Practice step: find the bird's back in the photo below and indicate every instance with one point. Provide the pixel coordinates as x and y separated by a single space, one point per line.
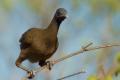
30 35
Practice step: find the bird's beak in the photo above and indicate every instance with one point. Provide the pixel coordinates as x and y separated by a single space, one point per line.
67 16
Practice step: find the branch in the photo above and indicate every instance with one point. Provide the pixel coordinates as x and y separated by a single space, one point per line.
71 75
82 50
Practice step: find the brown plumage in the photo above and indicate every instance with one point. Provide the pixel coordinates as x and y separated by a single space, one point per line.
37 45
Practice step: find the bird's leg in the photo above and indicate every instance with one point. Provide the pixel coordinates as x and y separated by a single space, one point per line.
21 58
19 61
49 64
31 74
42 63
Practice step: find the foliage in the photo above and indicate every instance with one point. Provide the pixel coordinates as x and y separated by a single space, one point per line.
92 77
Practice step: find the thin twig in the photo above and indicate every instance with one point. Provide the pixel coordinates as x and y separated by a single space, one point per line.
71 75
82 50
73 54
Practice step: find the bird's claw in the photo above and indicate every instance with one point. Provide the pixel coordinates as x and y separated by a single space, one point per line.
49 64
31 74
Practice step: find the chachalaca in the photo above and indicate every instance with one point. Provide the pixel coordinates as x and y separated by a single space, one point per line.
37 45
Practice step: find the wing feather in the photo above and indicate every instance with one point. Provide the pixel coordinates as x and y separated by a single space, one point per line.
26 39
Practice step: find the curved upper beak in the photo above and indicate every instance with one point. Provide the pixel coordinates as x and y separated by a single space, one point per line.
67 16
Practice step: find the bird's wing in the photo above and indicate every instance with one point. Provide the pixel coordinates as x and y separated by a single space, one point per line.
26 38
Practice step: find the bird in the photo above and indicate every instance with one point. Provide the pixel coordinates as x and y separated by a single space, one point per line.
38 45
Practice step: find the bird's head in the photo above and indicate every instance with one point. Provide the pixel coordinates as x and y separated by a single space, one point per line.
60 15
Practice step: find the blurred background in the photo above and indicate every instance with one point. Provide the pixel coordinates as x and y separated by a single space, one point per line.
96 21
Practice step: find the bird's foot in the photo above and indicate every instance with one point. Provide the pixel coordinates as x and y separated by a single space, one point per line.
31 74
49 64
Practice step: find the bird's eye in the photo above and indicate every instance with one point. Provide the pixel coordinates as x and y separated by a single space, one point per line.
59 13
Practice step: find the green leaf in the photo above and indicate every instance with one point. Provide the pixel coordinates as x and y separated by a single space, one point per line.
117 58
92 77
108 77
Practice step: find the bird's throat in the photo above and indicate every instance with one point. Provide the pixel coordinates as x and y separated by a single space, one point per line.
54 26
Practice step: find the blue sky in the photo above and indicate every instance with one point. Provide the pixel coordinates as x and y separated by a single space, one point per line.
71 37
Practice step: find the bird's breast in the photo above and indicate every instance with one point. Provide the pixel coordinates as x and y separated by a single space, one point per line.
46 47
37 54
51 46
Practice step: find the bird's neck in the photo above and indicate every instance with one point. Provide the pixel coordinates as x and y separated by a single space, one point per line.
54 26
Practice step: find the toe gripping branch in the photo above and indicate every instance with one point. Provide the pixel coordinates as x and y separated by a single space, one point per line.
31 74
